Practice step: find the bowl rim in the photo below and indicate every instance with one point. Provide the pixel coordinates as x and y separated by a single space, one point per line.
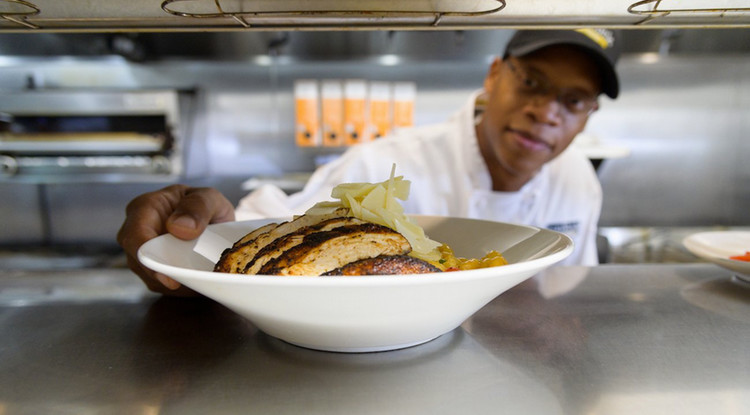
559 250
699 248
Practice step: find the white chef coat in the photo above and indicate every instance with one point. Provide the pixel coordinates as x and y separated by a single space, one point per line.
449 177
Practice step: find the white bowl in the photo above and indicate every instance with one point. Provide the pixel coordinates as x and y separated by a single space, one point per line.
718 246
367 313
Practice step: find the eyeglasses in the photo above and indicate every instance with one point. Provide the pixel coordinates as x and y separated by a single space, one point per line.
531 85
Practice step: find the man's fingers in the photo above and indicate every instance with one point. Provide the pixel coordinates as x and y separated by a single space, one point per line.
159 283
180 210
145 216
196 209
166 281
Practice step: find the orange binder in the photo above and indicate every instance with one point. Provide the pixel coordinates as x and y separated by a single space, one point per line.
307 125
355 112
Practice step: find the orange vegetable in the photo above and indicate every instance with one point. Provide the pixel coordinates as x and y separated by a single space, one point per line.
745 257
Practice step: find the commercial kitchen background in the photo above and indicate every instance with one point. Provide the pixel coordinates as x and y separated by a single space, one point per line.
682 116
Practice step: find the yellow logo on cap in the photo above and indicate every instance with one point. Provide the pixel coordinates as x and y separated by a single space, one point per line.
598 37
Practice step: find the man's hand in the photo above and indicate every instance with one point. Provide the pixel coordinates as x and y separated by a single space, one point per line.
179 210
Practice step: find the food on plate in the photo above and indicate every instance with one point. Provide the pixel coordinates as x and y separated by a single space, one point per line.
451 262
385 264
250 253
320 252
743 257
363 232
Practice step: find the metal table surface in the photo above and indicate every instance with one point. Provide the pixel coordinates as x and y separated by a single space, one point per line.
612 339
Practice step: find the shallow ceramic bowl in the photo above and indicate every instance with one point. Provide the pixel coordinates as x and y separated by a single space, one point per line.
367 313
718 246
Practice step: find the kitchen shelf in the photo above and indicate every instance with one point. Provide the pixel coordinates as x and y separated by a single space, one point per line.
336 13
266 15
663 9
19 14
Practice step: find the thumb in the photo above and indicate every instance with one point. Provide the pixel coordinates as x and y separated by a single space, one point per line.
184 226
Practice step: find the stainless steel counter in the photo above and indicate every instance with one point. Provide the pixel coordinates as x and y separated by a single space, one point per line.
614 339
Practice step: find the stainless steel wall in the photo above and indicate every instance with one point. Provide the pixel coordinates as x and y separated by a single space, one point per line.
686 122
683 116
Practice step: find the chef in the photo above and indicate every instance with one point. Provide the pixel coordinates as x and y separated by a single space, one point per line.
504 156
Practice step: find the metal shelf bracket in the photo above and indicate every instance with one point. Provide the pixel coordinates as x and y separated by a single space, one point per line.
20 17
242 16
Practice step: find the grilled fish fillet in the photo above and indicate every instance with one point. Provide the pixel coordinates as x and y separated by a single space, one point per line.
254 234
236 258
280 245
385 265
320 252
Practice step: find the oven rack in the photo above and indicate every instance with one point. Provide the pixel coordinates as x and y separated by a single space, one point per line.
242 16
657 10
20 17
30 14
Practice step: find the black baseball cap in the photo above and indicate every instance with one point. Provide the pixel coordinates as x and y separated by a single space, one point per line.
603 45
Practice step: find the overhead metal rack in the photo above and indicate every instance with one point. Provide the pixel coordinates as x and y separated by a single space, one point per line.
654 9
658 10
242 16
19 17
265 15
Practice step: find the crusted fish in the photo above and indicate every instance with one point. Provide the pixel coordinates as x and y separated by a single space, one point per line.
283 243
236 258
320 252
254 234
384 265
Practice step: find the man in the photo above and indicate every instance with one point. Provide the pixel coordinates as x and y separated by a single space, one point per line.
505 156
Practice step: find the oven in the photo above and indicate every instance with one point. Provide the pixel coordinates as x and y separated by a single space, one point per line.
91 135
